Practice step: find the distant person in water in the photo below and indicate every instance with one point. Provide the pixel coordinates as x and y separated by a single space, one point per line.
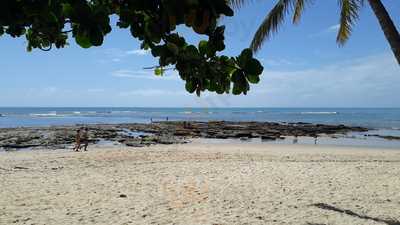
315 139
167 118
85 139
78 140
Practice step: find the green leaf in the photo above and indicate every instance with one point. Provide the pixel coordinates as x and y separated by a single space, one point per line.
170 60
173 48
192 53
236 89
83 40
227 10
96 37
203 47
157 51
192 2
190 17
253 66
159 71
52 18
29 47
67 10
252 78
240 84
190 86
244 57
176 39
237 76
172 22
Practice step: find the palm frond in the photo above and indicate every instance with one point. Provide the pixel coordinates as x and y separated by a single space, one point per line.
271 23
298 10
237 3
348 17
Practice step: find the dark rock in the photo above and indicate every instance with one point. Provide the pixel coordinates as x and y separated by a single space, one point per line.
134 144
387 137
268 138
242 134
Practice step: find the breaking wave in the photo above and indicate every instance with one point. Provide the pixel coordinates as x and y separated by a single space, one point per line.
321 113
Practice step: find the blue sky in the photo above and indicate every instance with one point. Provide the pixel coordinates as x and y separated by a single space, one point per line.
304 67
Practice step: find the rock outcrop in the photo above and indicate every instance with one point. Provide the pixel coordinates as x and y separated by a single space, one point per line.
139 135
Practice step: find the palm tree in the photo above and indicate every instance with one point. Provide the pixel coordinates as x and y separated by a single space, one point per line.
348 16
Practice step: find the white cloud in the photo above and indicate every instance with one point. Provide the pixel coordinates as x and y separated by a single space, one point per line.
131 74
152 92
281 62
367 81
49 90
372 81
117 55
137 52
148 74
327 31
333 28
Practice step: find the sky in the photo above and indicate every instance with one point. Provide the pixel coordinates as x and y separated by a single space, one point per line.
303 67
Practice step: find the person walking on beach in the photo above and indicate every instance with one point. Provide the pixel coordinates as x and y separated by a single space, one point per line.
78 140
85 138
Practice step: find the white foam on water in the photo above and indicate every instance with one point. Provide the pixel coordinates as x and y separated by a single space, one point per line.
326 113
50 114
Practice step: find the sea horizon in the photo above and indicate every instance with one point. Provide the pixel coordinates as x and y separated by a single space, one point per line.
373 118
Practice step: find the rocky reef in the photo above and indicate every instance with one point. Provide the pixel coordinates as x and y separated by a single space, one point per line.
139 135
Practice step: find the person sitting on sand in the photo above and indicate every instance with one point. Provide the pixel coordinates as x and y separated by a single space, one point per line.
78 140
85 139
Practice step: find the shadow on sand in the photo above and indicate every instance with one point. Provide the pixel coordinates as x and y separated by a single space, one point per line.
354 214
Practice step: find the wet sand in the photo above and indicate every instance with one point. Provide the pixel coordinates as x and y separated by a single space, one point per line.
198 183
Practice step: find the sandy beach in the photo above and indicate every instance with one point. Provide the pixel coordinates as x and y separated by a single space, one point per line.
198 183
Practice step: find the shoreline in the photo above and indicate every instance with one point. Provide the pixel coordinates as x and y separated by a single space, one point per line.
178 132
199 183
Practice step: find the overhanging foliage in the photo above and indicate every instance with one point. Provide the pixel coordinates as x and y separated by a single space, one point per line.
48 23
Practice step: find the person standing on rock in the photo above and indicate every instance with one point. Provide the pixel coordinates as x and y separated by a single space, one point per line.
78 140
85 138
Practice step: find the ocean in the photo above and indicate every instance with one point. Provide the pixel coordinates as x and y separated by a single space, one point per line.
374 118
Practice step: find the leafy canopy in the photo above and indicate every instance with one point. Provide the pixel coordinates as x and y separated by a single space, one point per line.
50 23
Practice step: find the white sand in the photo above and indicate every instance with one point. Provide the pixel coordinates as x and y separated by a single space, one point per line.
201 184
